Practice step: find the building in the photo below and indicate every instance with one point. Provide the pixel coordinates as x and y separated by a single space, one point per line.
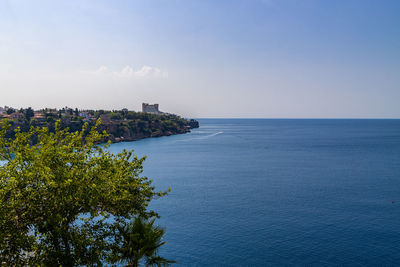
147 108
84 114
39 116
17 115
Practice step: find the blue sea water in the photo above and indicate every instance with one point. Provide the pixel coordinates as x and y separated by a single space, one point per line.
255 192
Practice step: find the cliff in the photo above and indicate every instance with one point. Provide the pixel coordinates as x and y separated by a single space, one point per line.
131 130
120 125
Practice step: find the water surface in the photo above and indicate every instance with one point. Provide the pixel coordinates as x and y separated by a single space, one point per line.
249 192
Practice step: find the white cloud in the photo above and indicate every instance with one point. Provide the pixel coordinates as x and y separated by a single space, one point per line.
144 72
101 69
127 71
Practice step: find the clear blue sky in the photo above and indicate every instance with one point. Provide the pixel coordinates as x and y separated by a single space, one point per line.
204 58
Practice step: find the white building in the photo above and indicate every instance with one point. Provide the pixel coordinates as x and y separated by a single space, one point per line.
147 108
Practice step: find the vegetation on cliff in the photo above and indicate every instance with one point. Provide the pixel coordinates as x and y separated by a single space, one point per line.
120 125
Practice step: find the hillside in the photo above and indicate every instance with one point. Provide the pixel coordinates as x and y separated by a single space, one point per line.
121 125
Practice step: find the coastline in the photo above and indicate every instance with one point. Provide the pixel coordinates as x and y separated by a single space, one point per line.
120 125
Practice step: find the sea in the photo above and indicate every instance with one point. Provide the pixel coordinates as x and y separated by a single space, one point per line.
278 192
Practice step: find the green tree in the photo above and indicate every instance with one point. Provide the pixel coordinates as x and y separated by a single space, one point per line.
139 240
10 111
115 116
61 196
29 113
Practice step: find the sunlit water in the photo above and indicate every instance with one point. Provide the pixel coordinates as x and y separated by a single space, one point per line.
279 192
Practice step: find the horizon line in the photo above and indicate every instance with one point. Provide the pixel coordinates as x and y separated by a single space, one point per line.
296 118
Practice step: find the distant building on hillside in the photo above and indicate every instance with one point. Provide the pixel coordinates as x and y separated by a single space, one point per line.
86 116
147 108
17 115
39 116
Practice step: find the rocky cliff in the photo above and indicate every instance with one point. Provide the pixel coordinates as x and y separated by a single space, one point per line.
120 126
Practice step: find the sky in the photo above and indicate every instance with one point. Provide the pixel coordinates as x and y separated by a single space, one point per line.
204 58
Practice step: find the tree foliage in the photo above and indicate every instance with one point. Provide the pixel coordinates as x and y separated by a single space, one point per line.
62 196
139 240
29 113
10 111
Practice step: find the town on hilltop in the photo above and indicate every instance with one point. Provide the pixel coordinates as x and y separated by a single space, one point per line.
121 125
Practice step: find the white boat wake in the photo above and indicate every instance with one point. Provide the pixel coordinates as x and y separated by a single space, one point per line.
201 137
210 135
